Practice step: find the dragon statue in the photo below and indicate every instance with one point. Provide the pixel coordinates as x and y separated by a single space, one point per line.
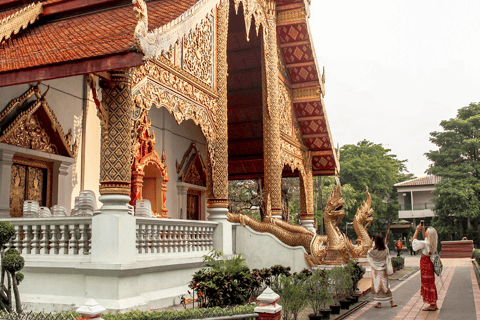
363 215
334 248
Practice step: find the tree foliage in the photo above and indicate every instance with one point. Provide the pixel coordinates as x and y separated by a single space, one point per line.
369 164
12 263
457 162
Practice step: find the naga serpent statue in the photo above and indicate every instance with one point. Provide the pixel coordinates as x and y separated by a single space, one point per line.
335 247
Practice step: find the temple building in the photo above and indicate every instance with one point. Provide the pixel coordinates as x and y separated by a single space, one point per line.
161 100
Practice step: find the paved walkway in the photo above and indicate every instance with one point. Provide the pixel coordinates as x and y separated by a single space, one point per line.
458 295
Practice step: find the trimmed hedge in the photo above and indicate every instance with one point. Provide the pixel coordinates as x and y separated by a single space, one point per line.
144 315
476 255
398 261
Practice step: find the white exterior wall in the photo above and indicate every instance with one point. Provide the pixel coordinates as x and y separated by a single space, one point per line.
175 139
263 250
420 195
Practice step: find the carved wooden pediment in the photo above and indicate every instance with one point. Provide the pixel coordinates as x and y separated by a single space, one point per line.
193 168
34 126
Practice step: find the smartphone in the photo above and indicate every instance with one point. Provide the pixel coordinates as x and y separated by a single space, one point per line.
421 222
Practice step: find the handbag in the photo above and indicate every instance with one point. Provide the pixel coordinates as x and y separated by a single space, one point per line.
437 264
389 268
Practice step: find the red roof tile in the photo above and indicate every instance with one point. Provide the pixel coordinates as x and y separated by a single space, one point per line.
87 36
422 181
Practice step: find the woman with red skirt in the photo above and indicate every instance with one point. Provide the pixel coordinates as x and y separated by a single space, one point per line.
427 247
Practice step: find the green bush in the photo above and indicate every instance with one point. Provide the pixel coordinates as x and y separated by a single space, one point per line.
478 259
292 294
7 231
156 315
223 282
475 254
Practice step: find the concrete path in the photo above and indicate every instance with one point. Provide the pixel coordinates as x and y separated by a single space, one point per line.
458 295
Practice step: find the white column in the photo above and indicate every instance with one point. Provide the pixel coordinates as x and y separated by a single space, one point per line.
64 184
6 161
182 188
222 236
114 231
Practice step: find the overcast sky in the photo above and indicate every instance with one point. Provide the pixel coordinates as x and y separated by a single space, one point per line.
395 69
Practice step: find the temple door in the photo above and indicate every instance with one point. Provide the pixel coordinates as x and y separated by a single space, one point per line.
193 205
27 183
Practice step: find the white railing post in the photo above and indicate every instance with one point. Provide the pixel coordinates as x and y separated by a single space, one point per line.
113 231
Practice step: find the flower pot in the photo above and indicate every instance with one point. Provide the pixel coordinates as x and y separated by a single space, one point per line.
345 304
325 314
335 309
315 317
353 298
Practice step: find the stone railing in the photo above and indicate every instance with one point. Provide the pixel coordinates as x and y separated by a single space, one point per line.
174 236
52 236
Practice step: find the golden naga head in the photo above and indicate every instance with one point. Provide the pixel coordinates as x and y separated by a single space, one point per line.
335 201
365 212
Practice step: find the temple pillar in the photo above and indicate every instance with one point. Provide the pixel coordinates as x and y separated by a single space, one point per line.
306 198
113 231
137 186
217 177
6 161
273 165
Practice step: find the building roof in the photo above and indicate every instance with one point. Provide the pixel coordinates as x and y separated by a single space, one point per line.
422 181
56 39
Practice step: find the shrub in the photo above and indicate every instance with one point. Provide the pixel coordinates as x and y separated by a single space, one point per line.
316 290
340 283
12 262
292 295
475 253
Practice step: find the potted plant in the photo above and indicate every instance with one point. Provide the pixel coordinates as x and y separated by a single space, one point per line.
356 272
317 295
341 283
292 294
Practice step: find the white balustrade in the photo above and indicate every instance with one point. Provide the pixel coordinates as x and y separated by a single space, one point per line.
174 236
52 236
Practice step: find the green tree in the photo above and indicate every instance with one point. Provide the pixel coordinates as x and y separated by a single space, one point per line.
369 164
457 161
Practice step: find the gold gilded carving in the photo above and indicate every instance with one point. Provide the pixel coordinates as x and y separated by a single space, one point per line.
198 51
254 9
271 114
18 102
35 184
364 242
26 132
193 148
285 105
102 109
151 93
159 73
17 190
306 93
19 20
217 167
144 153
116 148
291 15
27 183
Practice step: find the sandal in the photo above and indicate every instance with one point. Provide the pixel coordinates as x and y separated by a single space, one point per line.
393 305
430 309
378 306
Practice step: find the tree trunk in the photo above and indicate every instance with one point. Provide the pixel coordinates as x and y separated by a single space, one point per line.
18 302
261 201
9 293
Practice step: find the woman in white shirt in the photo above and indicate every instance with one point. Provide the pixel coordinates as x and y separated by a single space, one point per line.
377 257
427 247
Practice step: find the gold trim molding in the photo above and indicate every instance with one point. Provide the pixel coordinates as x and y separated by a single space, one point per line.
19 20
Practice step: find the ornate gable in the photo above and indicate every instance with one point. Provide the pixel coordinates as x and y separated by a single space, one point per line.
34 126
194 168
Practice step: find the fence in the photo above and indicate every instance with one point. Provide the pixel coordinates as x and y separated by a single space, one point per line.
172 235
53 236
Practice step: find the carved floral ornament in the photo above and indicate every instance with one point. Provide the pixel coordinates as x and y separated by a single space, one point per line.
29 127
151 93
156 42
